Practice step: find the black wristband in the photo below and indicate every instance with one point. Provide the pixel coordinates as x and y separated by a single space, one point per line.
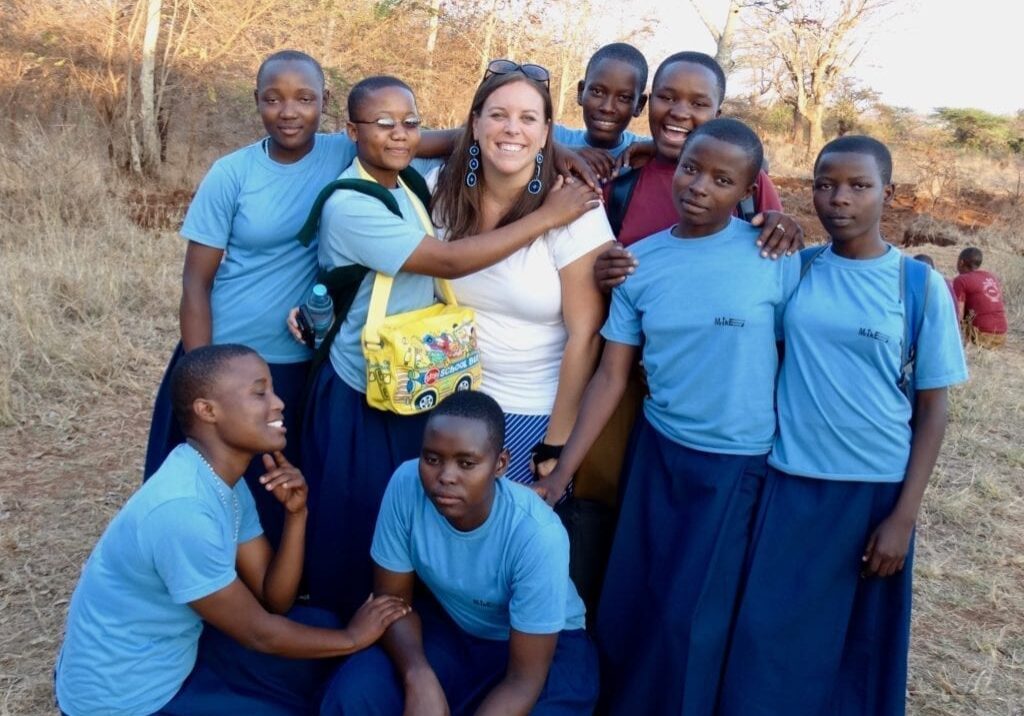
542 452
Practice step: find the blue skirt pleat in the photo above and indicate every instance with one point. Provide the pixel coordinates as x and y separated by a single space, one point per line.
674 576
811 636
350 451
468 668
230 679
165 434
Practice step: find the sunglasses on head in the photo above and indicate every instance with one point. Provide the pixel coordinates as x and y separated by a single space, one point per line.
505 67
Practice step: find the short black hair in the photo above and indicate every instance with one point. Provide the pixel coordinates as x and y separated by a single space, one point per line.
696 58
733 131
623 53
365 87
860 144
195 373
289 56
971 256
474 405
925 259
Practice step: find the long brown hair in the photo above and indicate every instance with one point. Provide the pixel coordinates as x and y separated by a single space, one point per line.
456 207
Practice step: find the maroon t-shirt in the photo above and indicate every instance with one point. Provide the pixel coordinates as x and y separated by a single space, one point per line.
651 208
980 292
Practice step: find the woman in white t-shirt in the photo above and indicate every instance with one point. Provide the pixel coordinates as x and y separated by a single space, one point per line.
538 312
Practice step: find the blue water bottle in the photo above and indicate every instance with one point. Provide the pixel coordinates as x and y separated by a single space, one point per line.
318 314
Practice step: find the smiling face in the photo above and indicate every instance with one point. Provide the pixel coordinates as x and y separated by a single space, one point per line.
511 127
849 196
243 408
684 96
458 467
290 100
384 152
610 96
710 180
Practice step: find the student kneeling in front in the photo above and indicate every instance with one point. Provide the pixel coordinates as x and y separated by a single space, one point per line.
505 634
188 547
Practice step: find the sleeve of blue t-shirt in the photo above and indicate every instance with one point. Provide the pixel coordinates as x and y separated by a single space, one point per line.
630 137
212 211
249 526
393 533
186 543
540 582
790 280
940 355
358 229
623 324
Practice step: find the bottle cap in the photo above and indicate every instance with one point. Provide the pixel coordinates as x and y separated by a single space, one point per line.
319 290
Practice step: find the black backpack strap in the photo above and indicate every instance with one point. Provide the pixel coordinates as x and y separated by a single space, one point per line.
746 209
308 231
619 197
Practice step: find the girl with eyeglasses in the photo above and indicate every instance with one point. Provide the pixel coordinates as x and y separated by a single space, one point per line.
350 450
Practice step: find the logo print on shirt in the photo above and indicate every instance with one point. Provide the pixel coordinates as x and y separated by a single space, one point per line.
874 335
730 322
991 290
484 603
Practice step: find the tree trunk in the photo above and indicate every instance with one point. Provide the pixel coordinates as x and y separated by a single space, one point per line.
816 136
131 129
726 39
433 25
485 50
148 109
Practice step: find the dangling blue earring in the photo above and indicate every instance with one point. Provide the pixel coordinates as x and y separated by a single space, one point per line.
535 186
474 164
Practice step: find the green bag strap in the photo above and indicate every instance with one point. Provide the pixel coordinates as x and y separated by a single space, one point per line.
308 231
342 284
415 181
410 176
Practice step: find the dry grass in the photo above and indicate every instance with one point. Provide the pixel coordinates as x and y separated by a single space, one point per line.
88 322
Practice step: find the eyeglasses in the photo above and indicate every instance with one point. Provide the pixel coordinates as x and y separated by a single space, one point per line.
506 67
409 123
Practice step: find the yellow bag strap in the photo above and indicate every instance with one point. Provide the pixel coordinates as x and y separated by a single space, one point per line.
382 283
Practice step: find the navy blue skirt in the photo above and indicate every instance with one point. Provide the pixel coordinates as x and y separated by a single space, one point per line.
811 636
350 451
230 679
165 434
674 576
468 668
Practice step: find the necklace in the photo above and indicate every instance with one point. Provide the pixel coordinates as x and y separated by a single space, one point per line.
219 486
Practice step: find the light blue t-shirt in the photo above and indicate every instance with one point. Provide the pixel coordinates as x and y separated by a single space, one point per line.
357 229
131 637
510 572
251 207
577 139
708 313
842 415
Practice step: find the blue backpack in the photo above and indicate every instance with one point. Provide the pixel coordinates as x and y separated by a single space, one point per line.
913 298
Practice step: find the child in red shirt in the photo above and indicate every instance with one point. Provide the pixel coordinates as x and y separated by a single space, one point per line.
979 301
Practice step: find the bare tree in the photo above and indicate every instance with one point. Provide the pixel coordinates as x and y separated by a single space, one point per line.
815 45
147 88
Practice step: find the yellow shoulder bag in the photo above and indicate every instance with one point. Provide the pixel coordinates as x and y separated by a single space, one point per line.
416 359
